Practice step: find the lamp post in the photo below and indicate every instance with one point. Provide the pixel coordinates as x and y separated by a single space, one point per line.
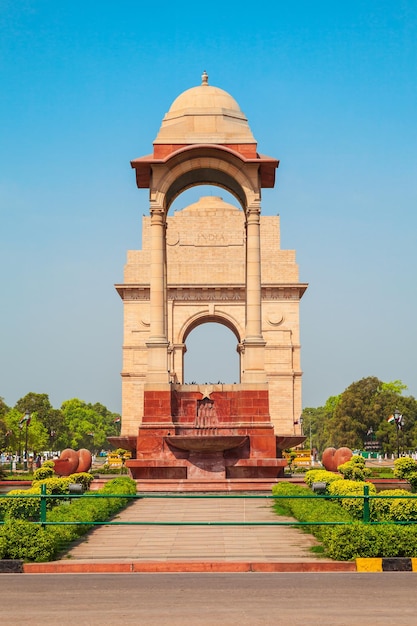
27 422
52 434
19 452
399 423
9 448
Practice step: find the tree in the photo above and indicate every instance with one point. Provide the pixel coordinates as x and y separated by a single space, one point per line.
88 425
4 433
34 402
406 436
52 419
3 408
37 436
364 407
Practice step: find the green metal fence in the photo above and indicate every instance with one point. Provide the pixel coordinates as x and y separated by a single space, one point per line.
366 498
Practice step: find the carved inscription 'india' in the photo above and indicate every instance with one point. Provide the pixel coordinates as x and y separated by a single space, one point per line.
211 238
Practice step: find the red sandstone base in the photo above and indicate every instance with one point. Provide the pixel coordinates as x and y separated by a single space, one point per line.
215 434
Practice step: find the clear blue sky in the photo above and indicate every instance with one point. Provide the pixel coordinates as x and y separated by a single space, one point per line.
329 88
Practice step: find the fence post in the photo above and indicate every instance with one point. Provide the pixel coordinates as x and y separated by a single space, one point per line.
366 509
43 505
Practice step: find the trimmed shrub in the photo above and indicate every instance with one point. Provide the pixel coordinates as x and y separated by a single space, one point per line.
320 476
3 546
26 541
311 509
406 468
354 469
30 542
83 478
21 508
54 484
395 509
46 471
350 488
344 543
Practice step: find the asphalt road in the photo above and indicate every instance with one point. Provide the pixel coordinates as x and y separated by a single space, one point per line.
209 599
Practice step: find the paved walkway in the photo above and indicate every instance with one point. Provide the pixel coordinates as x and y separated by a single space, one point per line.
197 543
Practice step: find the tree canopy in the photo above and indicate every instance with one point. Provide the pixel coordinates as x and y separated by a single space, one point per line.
76 424
361 413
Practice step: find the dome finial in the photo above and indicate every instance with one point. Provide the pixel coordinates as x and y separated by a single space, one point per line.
204 78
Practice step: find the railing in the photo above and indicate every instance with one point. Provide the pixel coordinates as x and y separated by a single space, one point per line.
366 511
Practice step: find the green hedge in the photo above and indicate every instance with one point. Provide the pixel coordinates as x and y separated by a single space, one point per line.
395 510
20 539
320 476
344 543
344 487
314 509
28 509
350 541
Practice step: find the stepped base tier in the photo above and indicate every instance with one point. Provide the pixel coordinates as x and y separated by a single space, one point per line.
208 433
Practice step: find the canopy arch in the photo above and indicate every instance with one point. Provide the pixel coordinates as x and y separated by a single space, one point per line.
202 317
205 165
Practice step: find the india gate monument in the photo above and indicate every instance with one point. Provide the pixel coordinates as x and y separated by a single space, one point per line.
209 262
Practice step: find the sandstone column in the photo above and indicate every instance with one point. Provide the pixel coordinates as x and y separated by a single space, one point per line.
157 343
254 343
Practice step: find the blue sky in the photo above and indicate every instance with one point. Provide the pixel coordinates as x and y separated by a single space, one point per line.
329 88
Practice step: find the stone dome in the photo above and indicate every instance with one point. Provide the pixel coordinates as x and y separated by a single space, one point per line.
210 204
205 114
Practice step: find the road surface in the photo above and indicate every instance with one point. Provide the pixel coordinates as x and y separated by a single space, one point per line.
253 599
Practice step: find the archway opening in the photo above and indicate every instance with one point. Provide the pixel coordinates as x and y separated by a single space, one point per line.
189 196
211 355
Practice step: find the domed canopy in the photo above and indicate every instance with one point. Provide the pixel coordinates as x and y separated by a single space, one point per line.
206 136
207 204
204 114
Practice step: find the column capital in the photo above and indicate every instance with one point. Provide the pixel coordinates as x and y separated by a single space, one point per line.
157 212
253 213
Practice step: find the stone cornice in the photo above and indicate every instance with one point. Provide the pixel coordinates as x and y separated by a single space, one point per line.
143 165
199 293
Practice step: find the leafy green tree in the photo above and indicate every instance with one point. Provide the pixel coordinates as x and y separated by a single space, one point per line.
404 438
316 422
37 435
355 414
3 408
364 406
34 402
4 433
88 425
52 419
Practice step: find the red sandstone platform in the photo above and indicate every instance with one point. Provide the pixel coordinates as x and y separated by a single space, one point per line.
201 486
129 567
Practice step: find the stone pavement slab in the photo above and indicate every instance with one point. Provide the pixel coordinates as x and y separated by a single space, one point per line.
175 542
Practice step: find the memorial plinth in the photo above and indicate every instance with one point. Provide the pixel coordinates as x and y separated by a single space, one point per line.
207 432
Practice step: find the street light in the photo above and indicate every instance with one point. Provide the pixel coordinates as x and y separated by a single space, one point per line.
27 421
399 423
